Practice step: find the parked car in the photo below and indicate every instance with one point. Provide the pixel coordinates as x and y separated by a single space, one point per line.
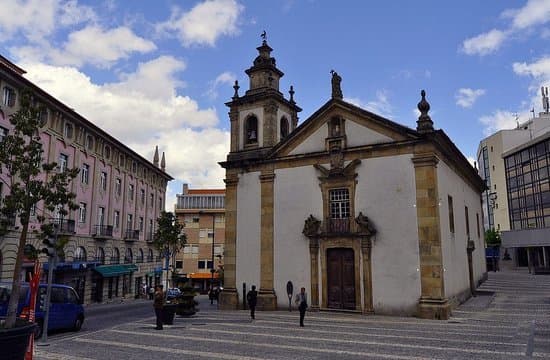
66 310
172 294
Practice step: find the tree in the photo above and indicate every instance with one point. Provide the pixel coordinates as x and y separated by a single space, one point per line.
492 238
32 181
169 237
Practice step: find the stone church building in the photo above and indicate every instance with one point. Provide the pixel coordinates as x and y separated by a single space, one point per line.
368 215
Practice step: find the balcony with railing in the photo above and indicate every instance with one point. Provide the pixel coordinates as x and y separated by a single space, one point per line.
338 226
131 235
102 232
63 226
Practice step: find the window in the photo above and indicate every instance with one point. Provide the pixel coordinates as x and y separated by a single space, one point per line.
100 255
116 219
251 130
82 212
339 204
3 133
202 264
63 162
115 258
43 116
89 142
107 152
103 181
32 212
100 216
129 257
140 223
218 250
151 228
196 219
152 200
160 203
179 264
84 174
203 233
68 130
131 191
129 221
134 167
477 220
9 97
118 186
451 214
142 196
284 127
467 222
80 254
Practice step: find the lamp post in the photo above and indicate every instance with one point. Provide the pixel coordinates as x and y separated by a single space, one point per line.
212 270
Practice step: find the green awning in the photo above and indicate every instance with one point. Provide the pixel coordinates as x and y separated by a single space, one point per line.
115 270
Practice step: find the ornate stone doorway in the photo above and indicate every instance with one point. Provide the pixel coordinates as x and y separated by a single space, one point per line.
341 278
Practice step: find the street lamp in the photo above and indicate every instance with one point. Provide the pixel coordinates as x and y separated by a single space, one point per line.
212 270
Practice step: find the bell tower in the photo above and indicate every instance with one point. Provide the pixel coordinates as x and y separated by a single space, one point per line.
262 117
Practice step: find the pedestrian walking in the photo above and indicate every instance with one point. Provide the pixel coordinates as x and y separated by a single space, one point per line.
151 293
252 298
158 303
301 301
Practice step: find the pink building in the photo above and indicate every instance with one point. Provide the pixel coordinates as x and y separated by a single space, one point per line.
119 193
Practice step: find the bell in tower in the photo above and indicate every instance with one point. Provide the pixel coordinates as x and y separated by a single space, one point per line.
262 117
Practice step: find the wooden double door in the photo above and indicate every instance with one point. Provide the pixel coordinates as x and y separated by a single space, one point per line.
341 279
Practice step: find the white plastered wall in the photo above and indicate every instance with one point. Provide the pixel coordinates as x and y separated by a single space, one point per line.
386 194
314 143
455 260
358 135
248 231
297 195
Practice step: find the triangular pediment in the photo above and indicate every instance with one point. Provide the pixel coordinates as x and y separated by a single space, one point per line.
360 128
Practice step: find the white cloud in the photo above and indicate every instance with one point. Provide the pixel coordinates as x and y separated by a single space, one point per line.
141 119
100 47
224 78
33 18
498 120
381 106
484 44
466 97
71 13
538 69
535 12
37 19
204 23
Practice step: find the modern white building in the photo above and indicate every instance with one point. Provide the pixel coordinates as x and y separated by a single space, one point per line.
518 215
366 214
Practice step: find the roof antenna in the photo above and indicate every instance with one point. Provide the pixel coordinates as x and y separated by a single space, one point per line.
545 102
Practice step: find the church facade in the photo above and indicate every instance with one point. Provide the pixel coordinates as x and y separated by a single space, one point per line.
368 215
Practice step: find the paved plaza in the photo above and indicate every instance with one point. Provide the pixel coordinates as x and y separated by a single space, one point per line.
510 319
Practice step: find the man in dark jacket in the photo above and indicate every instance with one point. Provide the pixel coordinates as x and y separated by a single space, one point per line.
252 298
301 301
158 303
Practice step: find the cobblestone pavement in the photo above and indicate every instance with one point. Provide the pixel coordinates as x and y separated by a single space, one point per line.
509 319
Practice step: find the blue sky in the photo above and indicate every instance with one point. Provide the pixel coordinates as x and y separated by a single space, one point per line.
158 73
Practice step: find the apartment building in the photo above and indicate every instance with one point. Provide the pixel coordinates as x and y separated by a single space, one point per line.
119 195
203 213
513 164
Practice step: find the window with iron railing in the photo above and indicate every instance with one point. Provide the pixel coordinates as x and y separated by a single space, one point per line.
339 208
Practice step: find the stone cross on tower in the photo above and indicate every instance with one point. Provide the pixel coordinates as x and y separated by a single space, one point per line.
545 102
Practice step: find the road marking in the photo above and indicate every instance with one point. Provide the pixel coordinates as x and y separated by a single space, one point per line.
376 343
268 345
156 349
365 334
39 354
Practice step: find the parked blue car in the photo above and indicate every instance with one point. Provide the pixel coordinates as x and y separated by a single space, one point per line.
66 310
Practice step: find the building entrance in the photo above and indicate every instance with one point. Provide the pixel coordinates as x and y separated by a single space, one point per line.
341 279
